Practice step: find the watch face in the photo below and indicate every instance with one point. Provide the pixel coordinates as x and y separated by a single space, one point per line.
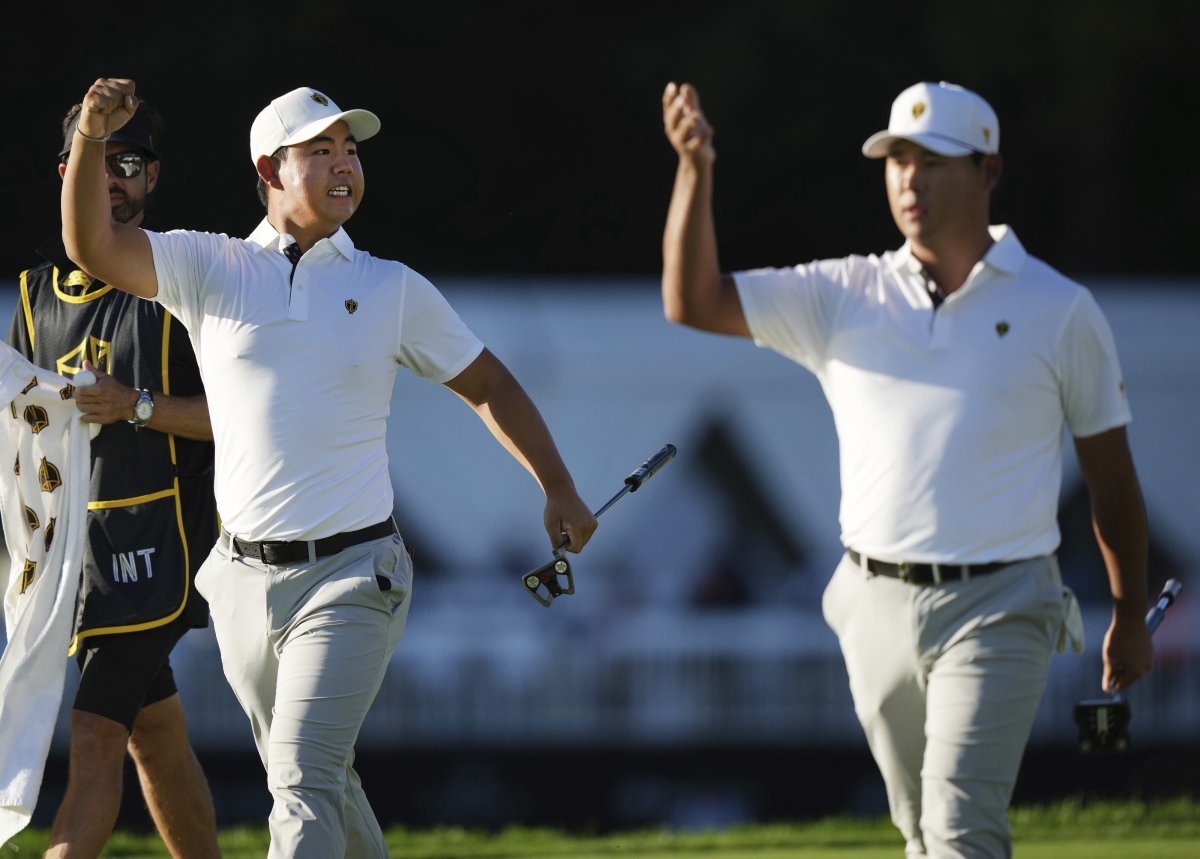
144 409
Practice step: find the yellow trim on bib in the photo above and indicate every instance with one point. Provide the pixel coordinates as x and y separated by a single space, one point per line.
129 502
27 308
72 280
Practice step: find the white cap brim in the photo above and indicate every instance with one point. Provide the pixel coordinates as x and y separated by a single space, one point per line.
877 144
363 124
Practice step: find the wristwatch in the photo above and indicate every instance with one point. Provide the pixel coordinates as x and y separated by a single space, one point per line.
143 409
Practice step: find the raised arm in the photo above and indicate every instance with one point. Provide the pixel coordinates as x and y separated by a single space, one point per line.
694 291
502 404
113 252
1119 522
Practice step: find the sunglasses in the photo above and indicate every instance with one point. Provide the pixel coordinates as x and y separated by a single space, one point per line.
125 165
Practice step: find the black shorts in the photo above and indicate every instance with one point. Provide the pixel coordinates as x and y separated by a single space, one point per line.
123 672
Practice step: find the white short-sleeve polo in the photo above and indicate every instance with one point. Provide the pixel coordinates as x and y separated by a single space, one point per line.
299 370
950 422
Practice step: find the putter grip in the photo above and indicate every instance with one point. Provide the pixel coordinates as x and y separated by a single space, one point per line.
1169 594
650 467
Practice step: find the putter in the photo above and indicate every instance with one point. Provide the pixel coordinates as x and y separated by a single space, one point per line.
1104 722
554 579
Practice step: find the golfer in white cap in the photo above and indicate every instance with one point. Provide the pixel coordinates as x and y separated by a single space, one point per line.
299 336
951 365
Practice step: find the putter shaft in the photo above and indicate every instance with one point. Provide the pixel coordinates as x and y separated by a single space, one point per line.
635 479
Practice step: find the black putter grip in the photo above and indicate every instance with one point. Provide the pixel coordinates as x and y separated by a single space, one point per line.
650 467
1170 593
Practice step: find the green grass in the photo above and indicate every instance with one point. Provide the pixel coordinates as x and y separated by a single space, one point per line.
1068 830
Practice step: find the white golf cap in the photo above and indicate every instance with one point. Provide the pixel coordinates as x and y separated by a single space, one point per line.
942 117
301 115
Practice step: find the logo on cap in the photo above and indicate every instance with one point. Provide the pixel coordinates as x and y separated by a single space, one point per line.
319 99
918 109
987 134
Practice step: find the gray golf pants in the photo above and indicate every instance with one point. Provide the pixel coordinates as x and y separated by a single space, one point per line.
946 681
305 647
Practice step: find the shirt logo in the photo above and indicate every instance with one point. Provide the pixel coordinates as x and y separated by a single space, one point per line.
351 305
918 108
1001 329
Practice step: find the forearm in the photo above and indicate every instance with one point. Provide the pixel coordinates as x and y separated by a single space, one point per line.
116 253
86 214
186 417
514 420
490 389
691 271
1119 523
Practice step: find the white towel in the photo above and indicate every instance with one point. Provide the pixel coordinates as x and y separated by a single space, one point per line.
42 430
1071 631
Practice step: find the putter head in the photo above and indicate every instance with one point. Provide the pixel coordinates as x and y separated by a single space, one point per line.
1103 725
550 580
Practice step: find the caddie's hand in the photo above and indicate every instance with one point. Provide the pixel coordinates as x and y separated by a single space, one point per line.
105 402
568 519
685 125
1128 653
108 105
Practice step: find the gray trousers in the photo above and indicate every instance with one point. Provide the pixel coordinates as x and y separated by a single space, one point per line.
946 681
305 647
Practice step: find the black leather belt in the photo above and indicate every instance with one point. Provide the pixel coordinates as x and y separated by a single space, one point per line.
928 574
291 552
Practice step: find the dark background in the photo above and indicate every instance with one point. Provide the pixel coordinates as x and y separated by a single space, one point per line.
525 137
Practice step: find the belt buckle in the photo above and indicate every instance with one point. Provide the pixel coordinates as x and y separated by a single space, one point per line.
903 571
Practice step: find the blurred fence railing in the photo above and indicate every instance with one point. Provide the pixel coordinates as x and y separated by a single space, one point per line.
477 678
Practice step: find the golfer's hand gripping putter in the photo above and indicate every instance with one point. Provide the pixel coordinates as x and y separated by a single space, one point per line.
554 578
1104 722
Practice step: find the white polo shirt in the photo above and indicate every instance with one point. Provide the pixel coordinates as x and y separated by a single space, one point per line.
299 371
949 422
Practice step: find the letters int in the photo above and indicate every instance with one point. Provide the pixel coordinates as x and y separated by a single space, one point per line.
125 568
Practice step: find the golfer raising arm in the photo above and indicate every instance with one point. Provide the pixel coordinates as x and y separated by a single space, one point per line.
299 336
951 366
